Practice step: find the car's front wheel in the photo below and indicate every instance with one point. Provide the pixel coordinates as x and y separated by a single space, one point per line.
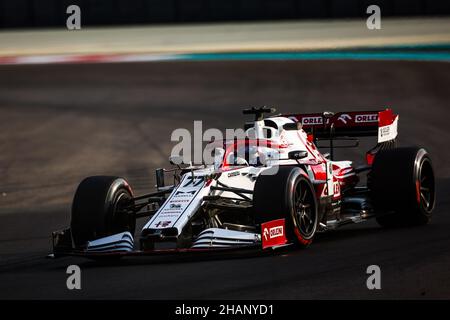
290 195
99 209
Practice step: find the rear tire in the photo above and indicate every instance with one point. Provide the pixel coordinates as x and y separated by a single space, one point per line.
288 194
403 186
97 209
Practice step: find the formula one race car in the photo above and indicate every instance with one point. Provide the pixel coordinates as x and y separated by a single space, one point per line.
270 189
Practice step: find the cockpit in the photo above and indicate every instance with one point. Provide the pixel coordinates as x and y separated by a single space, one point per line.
246 152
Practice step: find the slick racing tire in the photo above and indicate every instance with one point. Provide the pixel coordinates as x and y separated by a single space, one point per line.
288 194
403 187
98 209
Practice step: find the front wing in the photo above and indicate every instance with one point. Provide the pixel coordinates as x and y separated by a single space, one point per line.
273 237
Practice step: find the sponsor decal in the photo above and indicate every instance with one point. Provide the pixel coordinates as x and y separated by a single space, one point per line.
344 117
233 174
388 132
312 120
169 215
163 224
337 189
364 118
178 203
273 233
385 131
185 193
193 181
179 200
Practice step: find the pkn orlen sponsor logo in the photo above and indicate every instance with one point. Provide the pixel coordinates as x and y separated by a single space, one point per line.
364 118
344 118
312 120
273 232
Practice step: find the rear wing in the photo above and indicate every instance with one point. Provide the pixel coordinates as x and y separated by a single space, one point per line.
382 123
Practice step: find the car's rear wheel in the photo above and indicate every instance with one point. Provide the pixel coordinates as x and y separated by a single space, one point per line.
403 187
99 209
290 195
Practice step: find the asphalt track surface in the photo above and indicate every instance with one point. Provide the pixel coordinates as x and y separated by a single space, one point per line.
60 123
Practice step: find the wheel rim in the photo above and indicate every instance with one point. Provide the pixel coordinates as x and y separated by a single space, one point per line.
122 221
304 209
426 186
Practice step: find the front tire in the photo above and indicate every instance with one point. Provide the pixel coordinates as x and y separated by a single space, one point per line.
403 187
98 209
290 195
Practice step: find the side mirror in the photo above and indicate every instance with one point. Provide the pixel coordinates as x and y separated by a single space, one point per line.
218 157
297 154
176 160
159 178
